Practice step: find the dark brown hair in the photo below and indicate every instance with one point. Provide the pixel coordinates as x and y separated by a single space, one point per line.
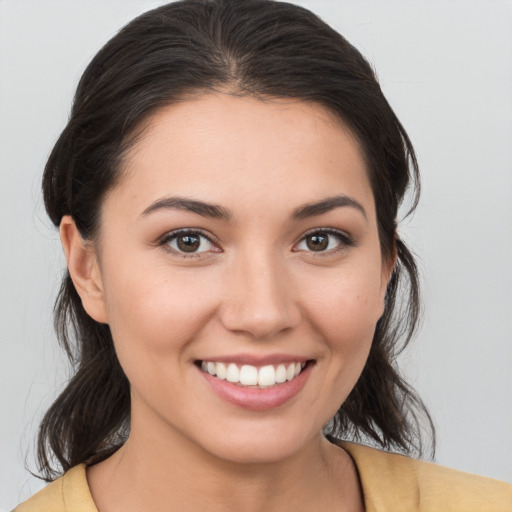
248 47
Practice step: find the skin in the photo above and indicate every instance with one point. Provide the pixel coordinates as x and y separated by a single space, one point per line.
258 289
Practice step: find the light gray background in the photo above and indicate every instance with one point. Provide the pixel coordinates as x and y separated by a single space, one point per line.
446 68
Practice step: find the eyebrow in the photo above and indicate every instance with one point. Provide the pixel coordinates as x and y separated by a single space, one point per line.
326 205
220 213
181 203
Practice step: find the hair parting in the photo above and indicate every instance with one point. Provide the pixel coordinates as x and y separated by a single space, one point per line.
260 48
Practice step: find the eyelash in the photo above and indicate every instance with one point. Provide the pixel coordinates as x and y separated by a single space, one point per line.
173 235
343 239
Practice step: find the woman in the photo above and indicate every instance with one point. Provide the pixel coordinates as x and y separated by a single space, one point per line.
226 192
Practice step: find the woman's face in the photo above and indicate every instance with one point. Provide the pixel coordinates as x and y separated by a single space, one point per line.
242 240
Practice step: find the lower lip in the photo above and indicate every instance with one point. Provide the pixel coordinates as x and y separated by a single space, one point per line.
256 399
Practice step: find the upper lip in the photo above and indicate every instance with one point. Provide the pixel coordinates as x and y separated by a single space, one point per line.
257 360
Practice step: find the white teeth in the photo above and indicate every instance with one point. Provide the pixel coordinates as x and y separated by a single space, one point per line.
249 375
267 376
281 373
221 371
233 373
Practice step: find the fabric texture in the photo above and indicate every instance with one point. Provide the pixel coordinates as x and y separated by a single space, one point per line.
390 483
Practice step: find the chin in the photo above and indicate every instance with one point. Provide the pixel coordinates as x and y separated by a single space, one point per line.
258 444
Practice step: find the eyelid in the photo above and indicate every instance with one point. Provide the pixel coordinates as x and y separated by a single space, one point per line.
164 240
345 240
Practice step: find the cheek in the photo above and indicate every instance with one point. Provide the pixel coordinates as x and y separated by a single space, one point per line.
346 307
154 319
342 313
150 310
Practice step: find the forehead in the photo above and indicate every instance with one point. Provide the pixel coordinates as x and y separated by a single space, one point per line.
220 147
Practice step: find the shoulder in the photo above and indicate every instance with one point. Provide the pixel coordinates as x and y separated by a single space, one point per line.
49 498
395 482
69 493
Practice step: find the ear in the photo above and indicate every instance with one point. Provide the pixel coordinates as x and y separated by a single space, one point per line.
84 270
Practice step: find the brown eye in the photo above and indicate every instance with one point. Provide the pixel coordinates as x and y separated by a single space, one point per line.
188 242
325 241
317 242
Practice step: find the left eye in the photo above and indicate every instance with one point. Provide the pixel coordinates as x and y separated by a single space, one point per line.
322 241
188 242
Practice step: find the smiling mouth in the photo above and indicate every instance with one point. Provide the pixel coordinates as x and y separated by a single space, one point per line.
247 375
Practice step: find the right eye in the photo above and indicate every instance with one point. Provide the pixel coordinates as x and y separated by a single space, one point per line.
187 242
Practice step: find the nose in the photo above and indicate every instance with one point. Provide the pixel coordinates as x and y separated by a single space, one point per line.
260 300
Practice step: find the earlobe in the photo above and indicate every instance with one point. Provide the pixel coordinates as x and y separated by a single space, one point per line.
84 270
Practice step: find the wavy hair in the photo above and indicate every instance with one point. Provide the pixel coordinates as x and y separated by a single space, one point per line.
259 48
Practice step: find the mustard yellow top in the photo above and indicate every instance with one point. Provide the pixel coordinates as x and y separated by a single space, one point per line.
390 482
